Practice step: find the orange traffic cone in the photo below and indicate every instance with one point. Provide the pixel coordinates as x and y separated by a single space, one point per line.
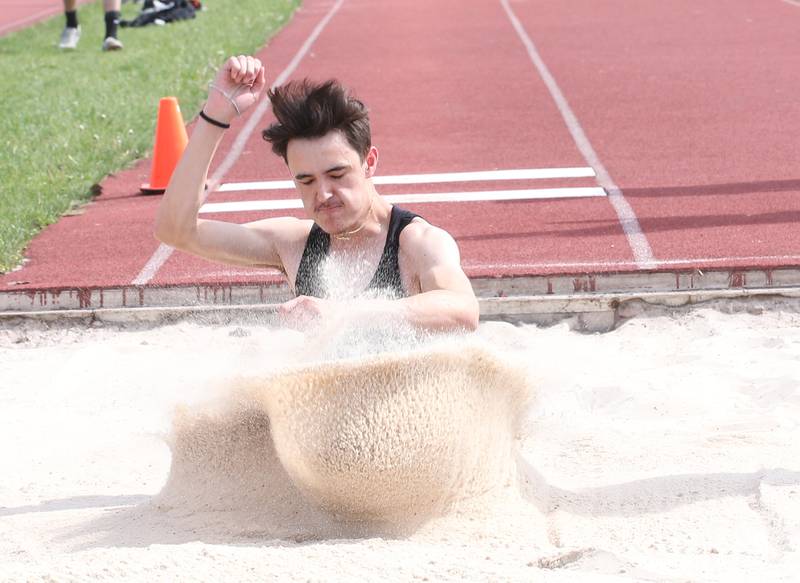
170 142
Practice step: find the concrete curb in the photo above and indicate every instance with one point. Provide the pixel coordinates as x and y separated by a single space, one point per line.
589 312
274 290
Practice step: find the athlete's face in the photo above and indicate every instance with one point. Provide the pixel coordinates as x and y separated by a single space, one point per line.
333 181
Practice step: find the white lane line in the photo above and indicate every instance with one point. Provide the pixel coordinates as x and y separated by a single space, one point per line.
481 176
642 252
164 252
265 185
473 196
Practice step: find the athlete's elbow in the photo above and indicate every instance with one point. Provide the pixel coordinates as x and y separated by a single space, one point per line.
165 234
170 232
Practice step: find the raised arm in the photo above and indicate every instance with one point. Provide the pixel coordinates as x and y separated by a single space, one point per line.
237 87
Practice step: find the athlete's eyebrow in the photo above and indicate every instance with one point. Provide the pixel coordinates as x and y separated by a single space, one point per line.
337 168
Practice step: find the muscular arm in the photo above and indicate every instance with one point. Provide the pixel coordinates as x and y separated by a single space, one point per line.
446 300
177 221
178 224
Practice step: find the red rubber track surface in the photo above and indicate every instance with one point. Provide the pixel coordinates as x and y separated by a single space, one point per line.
17 14
691 107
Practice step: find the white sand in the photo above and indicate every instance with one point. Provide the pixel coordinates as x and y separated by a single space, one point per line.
668 450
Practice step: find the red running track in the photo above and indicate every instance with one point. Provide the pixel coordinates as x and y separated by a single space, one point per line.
17 14
690 109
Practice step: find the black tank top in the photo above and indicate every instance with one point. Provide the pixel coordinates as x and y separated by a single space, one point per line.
387 275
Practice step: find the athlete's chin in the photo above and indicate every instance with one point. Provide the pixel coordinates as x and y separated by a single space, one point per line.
332 221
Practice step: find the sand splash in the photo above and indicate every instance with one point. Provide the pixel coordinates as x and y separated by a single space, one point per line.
371 425
376 444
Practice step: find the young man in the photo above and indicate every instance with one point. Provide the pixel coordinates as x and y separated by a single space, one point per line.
323 134
72 31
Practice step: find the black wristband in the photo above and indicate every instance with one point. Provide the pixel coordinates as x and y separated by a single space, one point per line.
214 122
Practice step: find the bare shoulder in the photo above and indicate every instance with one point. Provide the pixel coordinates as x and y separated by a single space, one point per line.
425 244
283 230
288 237
433 258
283 240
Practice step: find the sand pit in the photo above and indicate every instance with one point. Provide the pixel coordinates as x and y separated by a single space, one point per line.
664 451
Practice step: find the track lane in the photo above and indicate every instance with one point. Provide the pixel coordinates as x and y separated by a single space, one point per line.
693 107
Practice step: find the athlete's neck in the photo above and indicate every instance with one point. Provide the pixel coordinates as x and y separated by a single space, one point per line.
373 225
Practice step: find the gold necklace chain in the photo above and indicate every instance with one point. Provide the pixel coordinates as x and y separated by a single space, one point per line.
347 235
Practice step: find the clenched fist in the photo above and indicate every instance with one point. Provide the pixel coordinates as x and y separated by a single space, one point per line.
236 88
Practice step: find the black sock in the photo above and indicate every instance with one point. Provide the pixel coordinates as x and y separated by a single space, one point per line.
72 19
112 20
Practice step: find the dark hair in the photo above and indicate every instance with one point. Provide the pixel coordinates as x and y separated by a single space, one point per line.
305 109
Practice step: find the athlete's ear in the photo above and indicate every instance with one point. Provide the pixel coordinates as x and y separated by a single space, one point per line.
371 161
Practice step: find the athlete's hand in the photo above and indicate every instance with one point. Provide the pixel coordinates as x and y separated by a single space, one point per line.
304 312
236 88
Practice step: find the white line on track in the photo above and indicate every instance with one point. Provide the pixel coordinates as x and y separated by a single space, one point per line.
481 176
473 196
642 252
164 252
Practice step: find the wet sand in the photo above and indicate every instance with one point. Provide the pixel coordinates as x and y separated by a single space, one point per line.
663 451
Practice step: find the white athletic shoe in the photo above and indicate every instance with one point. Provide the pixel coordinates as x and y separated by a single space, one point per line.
69 38
112 44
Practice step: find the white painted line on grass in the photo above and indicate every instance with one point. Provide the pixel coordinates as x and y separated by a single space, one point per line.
642 252
163 252
481 176
473 196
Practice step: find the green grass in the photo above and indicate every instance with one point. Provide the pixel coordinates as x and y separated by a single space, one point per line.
71 118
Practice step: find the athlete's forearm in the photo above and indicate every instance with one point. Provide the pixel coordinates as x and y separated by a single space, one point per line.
441 310
176 221
436 310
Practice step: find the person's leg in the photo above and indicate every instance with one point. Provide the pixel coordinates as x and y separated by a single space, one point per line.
112 9
72 32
